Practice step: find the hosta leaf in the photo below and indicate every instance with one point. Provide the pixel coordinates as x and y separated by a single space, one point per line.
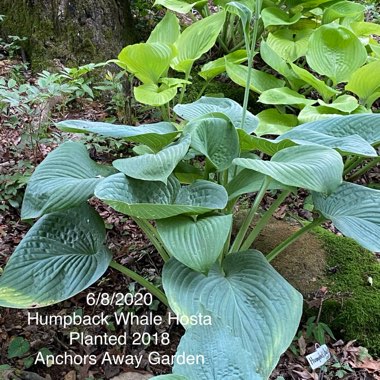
247 296
366 126
211 69
248 181
276 16
196 40
312 113
178 5
273 122
362 28
187 173
66 178
270 147
284 96
154 95
154 167
272 59
289 44
351 144
147 61
156 135
260 81
312 167
61 255
336 52
188 240
166 31
155 200
208 105
222 355
355 211
365 82
343 9
215 138
326 91
344 103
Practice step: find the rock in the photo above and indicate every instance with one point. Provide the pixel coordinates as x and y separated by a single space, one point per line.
72 375
133 376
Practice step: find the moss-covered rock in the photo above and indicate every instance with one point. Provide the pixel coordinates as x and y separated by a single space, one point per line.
74 32
321 258
354 309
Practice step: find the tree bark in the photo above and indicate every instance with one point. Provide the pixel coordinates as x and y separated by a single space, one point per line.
73 31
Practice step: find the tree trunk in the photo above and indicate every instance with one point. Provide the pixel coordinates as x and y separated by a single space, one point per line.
73 31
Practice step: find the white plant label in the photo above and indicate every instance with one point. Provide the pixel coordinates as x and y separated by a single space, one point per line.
318 357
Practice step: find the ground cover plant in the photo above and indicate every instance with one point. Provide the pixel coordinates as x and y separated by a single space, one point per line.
181 188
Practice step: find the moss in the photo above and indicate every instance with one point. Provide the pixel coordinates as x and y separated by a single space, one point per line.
353 312
72 32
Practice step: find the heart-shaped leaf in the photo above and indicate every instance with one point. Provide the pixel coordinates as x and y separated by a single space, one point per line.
188 240
66 178
208 106
156 135
312 167
276 16
289 44
155 200
62 254
336 52
154 95
215 138
343 9
148 61
154 167
355 211
247 296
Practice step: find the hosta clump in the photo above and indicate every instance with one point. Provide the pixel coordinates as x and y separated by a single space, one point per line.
187 180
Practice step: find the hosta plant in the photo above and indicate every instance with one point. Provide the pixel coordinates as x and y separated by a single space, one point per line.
187 181
181 188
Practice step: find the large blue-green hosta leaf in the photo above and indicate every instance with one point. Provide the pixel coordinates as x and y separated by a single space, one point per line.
189 241
355 211
62 254
155 200
367 126
156 135
220 355
154 167
247 296
248 181
217 139
312 167
66 178
208 106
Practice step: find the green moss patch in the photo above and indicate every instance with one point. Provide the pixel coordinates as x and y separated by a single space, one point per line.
353 311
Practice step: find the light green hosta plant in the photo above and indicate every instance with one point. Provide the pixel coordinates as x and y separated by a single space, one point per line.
168 48
181 189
